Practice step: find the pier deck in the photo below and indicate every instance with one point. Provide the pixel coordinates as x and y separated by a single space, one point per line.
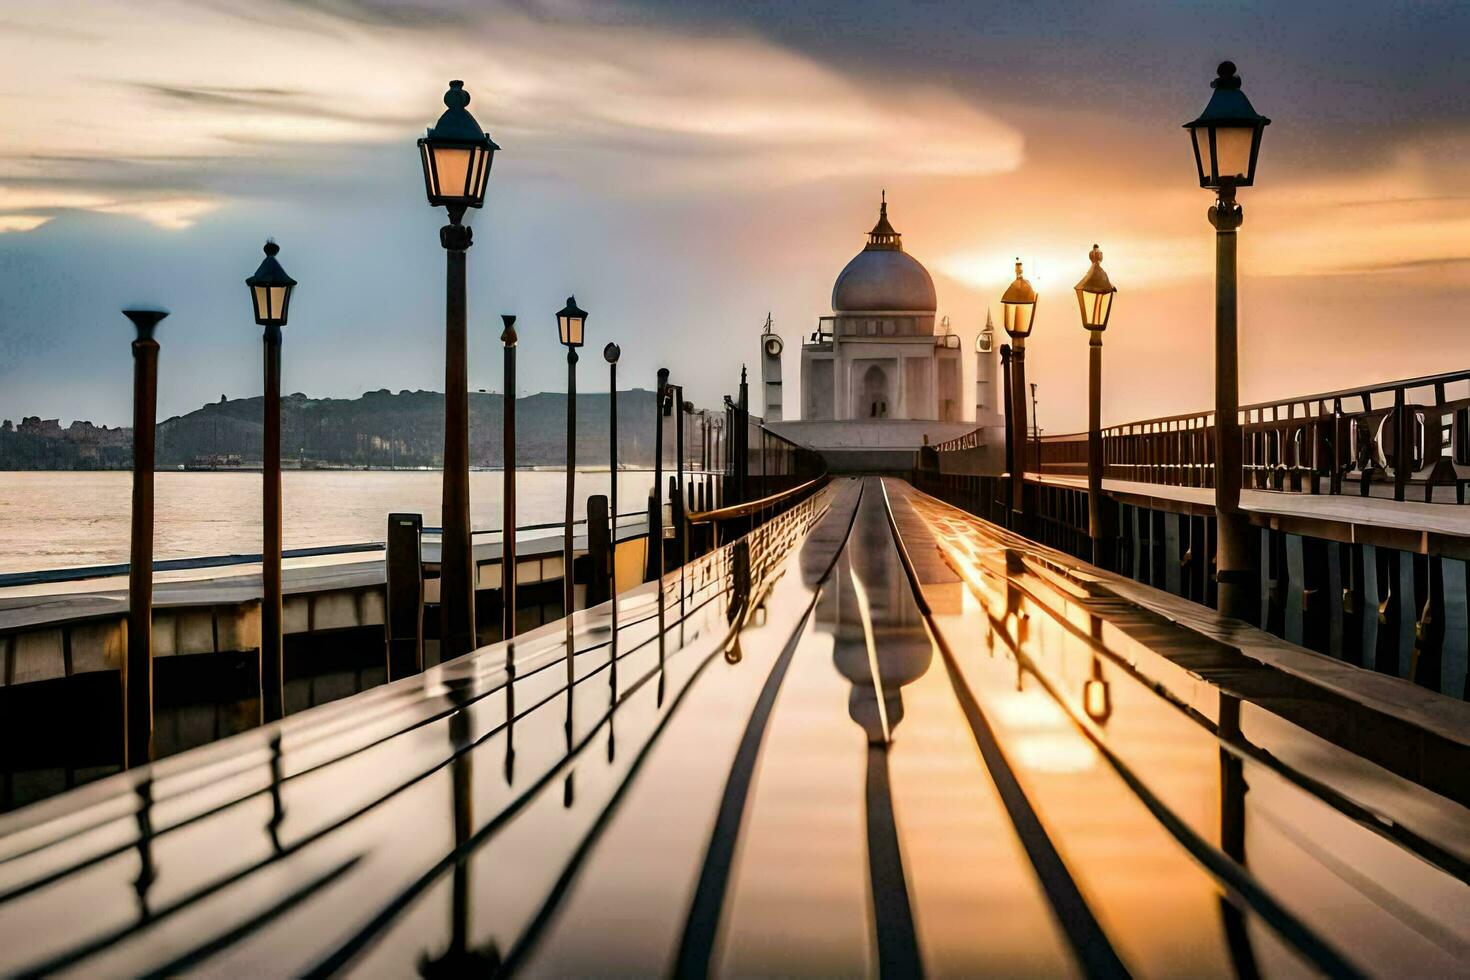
1401 521
877 734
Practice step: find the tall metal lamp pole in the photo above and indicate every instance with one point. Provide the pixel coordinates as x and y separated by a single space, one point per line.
508 496
1095 300
570 322
456 155
1226 138
270 296
137 672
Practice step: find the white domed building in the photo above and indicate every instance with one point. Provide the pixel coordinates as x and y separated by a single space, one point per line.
877 356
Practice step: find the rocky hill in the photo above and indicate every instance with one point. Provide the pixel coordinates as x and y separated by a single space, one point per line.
379 429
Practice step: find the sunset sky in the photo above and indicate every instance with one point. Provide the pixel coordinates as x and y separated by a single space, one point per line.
684 166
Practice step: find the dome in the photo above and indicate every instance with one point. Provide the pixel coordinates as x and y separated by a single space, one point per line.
883 276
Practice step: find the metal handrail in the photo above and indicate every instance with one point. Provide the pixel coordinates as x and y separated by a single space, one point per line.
79 573
752 506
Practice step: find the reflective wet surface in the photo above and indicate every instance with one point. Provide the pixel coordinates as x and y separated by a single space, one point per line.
877 736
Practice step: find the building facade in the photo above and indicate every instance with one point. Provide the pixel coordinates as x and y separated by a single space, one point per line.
877 356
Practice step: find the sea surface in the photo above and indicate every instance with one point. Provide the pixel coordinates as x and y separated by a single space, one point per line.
58 520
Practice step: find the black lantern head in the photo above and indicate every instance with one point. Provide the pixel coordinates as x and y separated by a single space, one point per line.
270 289
1095 294
1227 135
1019 305
456 155
611 353
569 323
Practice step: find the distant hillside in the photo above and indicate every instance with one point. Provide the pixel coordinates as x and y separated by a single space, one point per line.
379 429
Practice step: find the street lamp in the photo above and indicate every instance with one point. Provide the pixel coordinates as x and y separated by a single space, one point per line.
456 155
270 295
570 322
1095 301
1227 135
137 669
1227 140
1019 311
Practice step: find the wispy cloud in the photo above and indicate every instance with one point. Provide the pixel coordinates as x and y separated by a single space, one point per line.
578 100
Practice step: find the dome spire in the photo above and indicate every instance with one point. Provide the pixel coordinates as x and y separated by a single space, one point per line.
883 237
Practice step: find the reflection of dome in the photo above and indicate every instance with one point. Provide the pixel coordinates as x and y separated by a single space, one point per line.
883 276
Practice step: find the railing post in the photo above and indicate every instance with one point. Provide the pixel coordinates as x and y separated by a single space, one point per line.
405 595
1403 454
599 550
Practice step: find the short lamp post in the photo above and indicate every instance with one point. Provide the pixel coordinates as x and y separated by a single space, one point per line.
270 296
1095 301
655 566
610 354
1019 306
508 342
1226 139
571 322
137 672
456 155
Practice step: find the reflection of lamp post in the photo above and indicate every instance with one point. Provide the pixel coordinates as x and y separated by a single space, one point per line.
137 671
1227 141
270 294
1019 305
1097 698
508 341
570 321
456 156
1095 300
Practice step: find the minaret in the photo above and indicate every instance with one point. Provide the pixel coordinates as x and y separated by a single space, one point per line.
987 407
771 346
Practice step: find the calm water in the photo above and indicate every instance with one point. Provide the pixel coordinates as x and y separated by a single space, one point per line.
53 520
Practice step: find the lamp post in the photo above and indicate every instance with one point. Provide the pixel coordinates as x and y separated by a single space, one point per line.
1226 138
677 405
1095 300
610 354
1019 306
270 296
137 669
456 155
571 321
508 495
654 567
1035 428
1006 392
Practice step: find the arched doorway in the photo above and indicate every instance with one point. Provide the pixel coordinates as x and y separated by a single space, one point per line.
873 403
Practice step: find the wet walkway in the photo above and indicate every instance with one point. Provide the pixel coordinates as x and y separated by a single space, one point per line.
878 736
